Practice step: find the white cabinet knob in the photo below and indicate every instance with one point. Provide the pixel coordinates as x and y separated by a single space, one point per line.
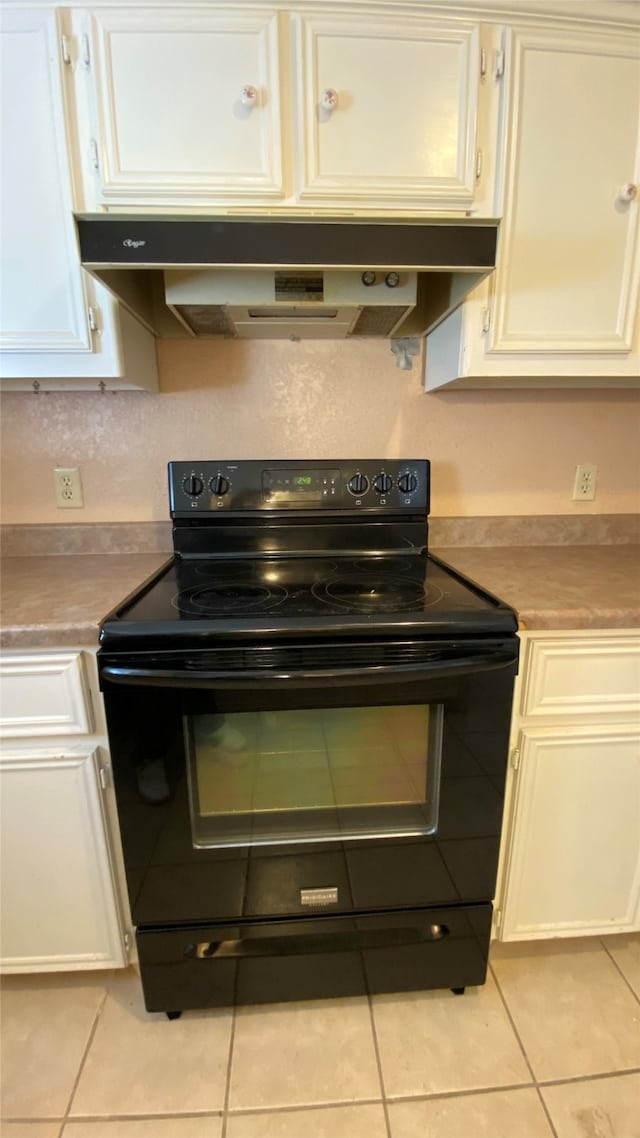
249 96
329 99
628 193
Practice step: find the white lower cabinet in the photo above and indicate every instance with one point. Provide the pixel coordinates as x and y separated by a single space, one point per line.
59 897
571 848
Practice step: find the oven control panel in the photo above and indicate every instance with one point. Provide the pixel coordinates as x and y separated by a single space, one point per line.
208 486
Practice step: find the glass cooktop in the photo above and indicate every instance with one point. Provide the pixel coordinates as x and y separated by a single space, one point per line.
308 593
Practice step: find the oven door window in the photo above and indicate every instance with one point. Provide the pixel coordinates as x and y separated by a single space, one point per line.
262 777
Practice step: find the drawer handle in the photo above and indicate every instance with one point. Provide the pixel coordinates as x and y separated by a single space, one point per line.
303 944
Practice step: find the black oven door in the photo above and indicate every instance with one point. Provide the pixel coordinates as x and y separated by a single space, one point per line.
292 790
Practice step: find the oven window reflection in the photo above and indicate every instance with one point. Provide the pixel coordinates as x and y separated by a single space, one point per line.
265 776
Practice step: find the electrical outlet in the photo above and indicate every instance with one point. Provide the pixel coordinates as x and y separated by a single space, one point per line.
584 485
68 487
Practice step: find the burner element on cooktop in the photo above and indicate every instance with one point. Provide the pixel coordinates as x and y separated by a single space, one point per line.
222 597
374 592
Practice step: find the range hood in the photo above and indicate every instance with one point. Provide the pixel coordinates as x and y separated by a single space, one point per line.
293 277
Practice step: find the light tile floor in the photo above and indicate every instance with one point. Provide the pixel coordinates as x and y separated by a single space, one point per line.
548 1048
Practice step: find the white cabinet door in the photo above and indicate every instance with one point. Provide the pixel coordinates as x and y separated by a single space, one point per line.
57 900
568 275
42 296
187 104
562 306
57 328
403 124
573 864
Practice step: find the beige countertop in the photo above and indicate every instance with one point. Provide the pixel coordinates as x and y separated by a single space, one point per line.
60 600
559 586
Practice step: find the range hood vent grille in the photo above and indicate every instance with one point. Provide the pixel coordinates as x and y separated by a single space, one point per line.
378 321
206 319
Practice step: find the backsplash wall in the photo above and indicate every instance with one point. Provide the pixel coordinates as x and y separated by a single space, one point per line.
494 453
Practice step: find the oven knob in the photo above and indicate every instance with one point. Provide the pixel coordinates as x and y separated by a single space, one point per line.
382 484
358 484
407 483
219 485
193 486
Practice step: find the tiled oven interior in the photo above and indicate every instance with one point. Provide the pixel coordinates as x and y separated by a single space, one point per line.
549 1047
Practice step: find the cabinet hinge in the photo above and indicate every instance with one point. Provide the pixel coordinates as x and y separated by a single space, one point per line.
65 47
486 319
86 53
483 62
515 758
93 314
105 777
498 63
479 158
93 154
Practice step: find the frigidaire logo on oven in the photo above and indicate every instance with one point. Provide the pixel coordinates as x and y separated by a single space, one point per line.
319 896
129 243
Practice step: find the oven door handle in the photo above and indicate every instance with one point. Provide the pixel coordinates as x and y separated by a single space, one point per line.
394 673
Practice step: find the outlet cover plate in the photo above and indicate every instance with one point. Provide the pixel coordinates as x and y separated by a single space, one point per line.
68 488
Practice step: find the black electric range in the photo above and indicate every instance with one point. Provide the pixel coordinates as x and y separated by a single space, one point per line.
308 717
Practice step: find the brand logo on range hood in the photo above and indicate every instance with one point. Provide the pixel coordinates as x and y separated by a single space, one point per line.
129 243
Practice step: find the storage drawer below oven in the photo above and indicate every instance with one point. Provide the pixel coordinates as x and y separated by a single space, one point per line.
264 962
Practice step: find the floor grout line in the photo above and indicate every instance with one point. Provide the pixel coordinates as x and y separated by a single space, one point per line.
297 1107
524 1052
512 1022
466 1092
619 969
227 1085
546 1110
94 1028
376 1048
293 1108
162 1115
619 1071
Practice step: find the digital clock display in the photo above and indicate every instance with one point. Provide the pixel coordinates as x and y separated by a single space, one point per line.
284 486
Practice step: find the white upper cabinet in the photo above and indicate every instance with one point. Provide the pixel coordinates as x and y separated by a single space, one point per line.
563 301
387 110
186 105
566 280
197 107
55 324
44 303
